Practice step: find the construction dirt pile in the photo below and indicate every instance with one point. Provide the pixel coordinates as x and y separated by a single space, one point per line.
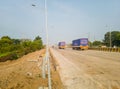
26 73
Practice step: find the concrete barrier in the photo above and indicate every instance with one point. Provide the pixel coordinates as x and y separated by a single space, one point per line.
106 49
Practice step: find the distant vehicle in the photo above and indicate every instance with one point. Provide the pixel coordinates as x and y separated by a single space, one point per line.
81 43
61 45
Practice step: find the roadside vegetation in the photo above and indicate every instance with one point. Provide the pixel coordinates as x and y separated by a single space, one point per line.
11 49
114 36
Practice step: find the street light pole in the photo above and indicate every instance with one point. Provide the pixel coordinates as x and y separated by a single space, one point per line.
47 47
46 54
46 25
110 40
46 58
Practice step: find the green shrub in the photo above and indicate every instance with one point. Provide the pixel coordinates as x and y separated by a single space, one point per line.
11 49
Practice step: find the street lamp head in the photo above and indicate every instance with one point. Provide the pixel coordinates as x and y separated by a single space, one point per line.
33 5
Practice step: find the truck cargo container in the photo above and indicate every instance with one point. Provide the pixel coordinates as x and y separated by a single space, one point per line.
61 45
81 43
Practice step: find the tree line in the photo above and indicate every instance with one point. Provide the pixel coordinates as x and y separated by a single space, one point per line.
112 38
11 49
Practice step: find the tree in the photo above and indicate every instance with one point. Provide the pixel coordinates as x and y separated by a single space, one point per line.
37 38
5 37
38 42
5 44
16 41
97 43
5 40
115 38
26 44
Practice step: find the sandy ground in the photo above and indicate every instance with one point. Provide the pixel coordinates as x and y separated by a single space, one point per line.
26 73
88 69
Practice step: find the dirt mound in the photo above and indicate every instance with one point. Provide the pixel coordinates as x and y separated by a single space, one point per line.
26 73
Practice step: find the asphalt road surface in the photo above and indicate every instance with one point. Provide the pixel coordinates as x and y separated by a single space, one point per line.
88 69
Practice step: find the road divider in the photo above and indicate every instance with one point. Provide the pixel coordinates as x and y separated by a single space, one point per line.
106 49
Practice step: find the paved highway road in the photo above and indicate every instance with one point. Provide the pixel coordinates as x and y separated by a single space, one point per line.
88 69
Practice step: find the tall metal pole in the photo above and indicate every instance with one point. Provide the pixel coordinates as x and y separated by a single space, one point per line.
46 58
46 54
46 25
47 47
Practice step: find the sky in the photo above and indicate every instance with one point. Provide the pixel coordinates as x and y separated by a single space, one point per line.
67 19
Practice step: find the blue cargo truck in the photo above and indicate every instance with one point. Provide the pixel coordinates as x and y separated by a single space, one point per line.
81 43
61 45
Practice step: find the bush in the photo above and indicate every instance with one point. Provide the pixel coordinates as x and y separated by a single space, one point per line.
11 49
9 56
13 56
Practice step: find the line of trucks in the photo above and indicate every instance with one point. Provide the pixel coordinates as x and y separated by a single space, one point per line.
81 43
